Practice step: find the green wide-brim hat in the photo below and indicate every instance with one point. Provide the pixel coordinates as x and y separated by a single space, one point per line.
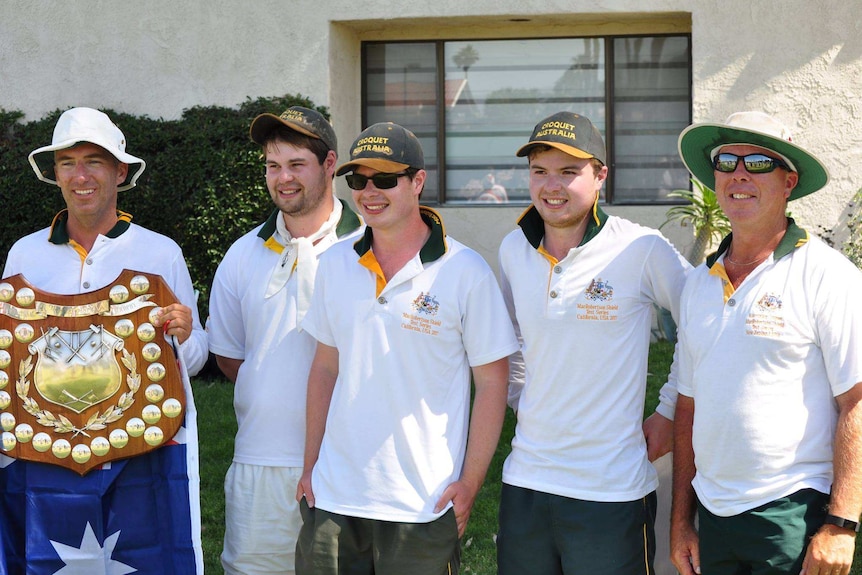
698 142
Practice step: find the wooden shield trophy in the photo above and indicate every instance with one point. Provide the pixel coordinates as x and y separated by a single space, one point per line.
86 379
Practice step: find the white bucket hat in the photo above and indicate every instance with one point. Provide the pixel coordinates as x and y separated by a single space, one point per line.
80 125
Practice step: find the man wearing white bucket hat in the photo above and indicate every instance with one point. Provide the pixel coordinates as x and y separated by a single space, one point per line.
768 426
140 513
91 241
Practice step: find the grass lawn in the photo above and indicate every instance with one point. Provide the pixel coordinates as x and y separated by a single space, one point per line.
217 427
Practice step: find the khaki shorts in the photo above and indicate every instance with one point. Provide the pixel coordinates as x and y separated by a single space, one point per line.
333 544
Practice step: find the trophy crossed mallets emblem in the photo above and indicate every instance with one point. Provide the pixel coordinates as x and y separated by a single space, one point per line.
93 380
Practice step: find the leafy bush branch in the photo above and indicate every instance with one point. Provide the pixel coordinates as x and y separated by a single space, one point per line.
847 236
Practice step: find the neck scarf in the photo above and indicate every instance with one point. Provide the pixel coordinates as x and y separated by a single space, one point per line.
300 255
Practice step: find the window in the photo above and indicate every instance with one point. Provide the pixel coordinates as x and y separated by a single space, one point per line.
474 103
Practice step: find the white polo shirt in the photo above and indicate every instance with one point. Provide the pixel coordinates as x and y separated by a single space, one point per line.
584 322
763 364
54 263
396 430
269 396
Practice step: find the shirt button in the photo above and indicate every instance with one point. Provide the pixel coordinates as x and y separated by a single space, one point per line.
731 302
381 300
87 285
89 261
554 294
558 269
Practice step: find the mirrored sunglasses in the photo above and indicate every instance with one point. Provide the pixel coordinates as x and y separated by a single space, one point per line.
754 163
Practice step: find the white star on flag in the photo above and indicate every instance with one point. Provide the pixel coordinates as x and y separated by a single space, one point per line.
91 558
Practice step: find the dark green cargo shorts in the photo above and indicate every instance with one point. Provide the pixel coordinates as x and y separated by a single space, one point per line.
544 534
768 540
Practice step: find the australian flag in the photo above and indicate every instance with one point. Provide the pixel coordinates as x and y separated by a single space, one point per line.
139 515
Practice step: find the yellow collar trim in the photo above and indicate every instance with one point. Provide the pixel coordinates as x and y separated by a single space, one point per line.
368 261
718 271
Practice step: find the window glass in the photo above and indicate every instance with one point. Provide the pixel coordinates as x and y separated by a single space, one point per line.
652 103
401 87
504 88
475 102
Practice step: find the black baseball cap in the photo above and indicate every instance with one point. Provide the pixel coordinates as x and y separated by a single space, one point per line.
570 133
303 120
385 147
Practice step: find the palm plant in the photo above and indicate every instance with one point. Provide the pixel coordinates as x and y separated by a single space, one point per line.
710 225
702 213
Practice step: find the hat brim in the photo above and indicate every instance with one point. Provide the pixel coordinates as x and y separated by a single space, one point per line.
697 141
385 166
42 162
570 150
261 126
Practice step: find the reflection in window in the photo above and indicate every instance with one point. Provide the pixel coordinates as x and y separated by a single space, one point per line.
474 103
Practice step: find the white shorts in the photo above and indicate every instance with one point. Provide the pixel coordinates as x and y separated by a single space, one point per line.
262 519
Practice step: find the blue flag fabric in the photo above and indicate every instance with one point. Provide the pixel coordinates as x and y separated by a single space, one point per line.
140 515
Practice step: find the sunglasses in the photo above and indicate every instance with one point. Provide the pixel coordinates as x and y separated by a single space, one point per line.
754 163
380 181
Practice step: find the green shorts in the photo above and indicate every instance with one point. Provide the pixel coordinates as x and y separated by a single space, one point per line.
544 534
768 540
333 544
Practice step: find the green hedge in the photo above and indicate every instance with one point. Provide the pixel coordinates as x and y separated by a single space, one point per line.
203 185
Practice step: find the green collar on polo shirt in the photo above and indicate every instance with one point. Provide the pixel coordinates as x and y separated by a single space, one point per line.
794 237
435 245
534 227
348 223
60 233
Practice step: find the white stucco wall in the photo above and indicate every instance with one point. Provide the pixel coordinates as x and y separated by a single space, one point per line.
798 60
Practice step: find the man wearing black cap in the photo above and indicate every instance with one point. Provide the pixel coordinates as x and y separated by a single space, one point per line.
768 425
578 488
402 317
260 295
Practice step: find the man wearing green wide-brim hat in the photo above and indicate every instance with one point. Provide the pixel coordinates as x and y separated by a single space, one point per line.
699 144
770 328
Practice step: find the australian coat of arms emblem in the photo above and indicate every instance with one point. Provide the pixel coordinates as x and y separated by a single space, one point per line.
86 379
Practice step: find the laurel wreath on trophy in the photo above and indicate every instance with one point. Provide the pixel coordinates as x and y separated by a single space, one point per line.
61 423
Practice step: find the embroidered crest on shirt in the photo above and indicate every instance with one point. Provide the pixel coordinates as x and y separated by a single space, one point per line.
426 307
425 303
599 290
601 293
766 320
770 302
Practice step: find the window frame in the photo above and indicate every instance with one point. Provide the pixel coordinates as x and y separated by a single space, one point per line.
439 197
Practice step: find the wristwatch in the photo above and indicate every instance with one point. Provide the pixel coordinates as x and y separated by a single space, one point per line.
841 522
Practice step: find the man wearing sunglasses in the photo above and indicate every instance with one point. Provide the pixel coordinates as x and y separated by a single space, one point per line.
768 426
403 317
579 492
261 292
